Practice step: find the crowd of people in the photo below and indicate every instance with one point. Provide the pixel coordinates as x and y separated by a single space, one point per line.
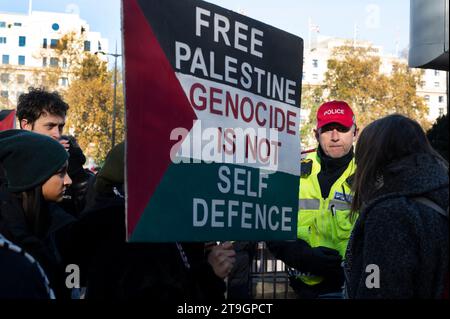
372 219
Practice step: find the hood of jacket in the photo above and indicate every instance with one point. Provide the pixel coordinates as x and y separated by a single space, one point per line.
413 176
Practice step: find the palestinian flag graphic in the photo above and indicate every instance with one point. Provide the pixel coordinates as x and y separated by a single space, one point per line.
212 110
7 119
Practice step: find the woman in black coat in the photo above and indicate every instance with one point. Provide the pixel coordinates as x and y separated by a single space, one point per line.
36 178
399 247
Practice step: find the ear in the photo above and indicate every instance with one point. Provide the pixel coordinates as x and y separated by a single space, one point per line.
355 133
316 134
26 125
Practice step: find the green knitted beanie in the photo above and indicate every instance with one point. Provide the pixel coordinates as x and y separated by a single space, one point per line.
29 159
111 173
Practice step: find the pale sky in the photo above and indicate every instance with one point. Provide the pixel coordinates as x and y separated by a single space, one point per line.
383 22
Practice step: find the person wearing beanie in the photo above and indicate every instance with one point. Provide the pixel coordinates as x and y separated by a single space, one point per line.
35 168
107 187
324 226
112 173
45 113
29 159
173 272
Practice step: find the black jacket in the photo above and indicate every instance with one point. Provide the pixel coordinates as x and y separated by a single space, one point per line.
75 196
406 240
66 240
150 271
45 248
21 277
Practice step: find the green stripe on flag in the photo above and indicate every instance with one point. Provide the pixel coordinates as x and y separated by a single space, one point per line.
169 216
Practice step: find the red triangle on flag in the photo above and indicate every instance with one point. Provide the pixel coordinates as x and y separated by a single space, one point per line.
155 105
7 119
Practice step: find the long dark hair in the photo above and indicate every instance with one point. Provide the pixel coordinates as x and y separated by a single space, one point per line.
383 142
35 212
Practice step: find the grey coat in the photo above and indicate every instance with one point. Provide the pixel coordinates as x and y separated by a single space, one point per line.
407 240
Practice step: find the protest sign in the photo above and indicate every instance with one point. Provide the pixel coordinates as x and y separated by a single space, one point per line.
213 109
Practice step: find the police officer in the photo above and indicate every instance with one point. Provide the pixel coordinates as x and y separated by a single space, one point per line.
324 226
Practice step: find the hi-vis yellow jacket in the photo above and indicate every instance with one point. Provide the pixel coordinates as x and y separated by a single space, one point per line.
324 221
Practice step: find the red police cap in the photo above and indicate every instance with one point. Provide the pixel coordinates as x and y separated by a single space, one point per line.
335 112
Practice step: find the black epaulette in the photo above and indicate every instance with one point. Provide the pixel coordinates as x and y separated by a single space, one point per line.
306 167
350 179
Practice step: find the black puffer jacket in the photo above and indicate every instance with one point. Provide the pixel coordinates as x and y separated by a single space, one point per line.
407 240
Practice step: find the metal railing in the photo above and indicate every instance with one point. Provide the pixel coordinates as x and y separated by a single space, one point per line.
269 279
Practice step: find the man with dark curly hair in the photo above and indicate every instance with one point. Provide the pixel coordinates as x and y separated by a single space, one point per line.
43 112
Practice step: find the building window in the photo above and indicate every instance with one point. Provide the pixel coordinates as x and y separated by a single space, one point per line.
436 72
4 94
54 62
436 84
5 59
22 41
53 43
2 24
2 40
44 61
44 43
17 24
441 111
21 60
315 63
441 99
64 63
64 81
4 77
20 78
315 76
87 45
55 26
427 98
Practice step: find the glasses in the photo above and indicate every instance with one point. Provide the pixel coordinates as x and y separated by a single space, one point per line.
333 126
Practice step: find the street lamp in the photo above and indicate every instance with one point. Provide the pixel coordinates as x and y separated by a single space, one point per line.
115 55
